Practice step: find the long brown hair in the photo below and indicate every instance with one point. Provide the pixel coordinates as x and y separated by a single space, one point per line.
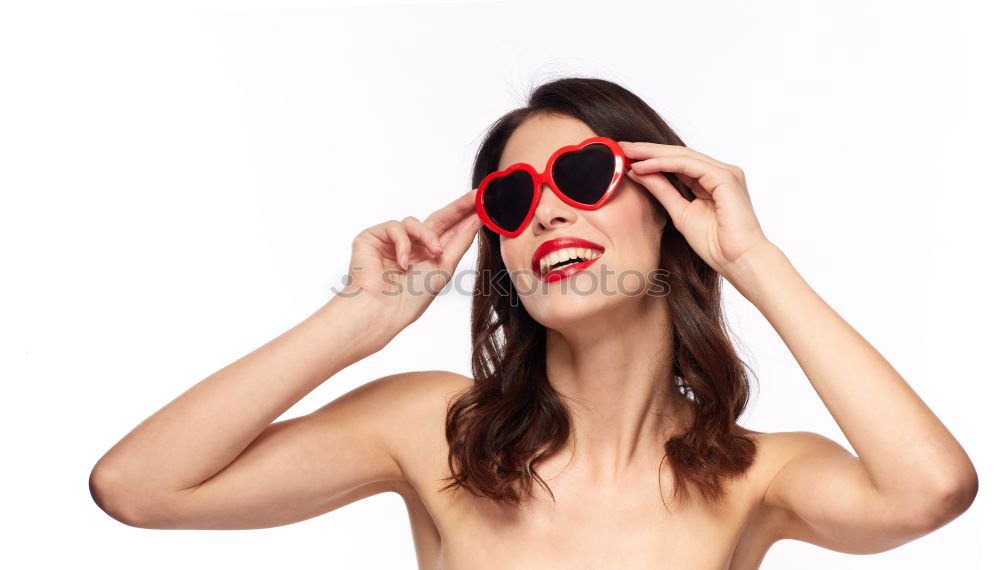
511 417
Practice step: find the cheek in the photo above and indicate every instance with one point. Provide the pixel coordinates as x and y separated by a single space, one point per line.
630 206
642 208
517 262
505 252
512 253
632 225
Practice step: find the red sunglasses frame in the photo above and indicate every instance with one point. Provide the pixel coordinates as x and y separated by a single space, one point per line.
621 163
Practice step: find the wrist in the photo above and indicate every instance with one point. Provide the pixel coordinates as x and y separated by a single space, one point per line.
367 324
755 266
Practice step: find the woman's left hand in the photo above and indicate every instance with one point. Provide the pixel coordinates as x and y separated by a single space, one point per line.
719 224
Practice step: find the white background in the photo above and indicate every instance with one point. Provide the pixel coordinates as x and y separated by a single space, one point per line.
181 181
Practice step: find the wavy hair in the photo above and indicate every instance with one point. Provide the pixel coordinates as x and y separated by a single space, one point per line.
511 417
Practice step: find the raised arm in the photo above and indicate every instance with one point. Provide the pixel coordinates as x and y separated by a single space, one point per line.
910 475
213 458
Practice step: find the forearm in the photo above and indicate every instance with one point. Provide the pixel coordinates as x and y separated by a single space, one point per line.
906 450
205 428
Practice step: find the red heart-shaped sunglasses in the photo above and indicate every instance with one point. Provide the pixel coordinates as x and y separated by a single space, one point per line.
583 175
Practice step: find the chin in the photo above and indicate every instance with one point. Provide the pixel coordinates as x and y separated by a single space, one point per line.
559 309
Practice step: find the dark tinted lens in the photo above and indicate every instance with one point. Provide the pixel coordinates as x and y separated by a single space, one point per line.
508 199
585 175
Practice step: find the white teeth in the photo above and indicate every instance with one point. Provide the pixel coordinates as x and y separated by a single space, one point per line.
565 254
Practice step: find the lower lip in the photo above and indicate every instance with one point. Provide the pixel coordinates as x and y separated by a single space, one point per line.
568 270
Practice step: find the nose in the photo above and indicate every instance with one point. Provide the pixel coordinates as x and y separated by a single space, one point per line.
551 212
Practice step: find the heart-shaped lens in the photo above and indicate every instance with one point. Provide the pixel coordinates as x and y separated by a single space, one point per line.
507 199
585 175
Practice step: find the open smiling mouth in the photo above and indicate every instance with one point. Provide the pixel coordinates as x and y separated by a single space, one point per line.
564 256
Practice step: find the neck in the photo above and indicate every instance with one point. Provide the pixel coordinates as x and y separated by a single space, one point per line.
615 377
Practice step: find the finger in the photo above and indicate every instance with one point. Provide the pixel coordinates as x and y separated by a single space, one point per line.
708 175
691 182
450 234
442 220
644 150
459 239
397 233
423 234
665 192
693 185
687 182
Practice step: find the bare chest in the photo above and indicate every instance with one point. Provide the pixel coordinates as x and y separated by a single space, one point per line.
624 525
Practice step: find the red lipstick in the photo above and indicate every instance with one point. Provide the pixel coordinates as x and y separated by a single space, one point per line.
561 242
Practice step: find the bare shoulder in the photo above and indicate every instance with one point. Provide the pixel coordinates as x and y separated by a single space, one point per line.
399 400
411 412
392 399
776 449
427 392
424 392
422 386
785 442
768 522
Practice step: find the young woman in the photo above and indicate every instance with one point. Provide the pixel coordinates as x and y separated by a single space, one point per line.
599 427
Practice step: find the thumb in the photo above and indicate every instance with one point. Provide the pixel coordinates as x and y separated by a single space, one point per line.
458 239
661 188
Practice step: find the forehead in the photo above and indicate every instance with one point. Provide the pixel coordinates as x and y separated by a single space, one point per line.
538 137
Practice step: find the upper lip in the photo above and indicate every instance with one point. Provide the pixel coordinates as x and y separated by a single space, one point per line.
560 242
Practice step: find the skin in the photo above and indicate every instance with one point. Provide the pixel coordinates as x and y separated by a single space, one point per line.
622 410
215 458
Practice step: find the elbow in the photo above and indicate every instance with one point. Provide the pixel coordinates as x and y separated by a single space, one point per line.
950 500
110 494
959 496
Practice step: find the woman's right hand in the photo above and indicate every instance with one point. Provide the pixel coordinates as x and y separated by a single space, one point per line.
214 456
429 251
